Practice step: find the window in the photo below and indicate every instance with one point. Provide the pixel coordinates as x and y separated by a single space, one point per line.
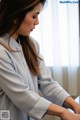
58 34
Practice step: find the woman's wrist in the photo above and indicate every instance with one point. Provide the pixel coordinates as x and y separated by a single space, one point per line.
70 103
56 110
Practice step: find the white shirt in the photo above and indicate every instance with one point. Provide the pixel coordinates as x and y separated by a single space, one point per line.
19 88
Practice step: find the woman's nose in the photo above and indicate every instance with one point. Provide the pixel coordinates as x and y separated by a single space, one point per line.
37 21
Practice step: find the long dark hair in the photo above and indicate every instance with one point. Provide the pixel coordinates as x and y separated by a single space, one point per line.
15 10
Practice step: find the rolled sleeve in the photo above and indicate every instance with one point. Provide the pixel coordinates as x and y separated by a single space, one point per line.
50 88
39 108
61 96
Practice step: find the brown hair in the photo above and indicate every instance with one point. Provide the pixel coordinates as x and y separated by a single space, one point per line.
11 10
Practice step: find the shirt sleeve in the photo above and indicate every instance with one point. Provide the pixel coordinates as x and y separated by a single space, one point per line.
50 88
19 93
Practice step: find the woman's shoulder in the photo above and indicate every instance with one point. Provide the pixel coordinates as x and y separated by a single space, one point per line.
3 50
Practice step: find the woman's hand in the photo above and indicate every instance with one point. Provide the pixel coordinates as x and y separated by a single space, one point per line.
63 113
69 116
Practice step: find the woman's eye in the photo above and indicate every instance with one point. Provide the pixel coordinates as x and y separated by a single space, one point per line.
34 17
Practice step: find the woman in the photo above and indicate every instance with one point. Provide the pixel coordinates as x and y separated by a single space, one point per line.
22 69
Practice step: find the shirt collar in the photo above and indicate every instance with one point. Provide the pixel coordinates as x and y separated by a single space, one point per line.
8 40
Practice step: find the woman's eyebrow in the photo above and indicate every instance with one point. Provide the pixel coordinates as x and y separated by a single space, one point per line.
37 13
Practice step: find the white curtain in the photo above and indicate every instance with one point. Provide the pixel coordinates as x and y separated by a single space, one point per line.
58 36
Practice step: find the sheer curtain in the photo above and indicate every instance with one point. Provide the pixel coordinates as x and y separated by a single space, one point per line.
58 36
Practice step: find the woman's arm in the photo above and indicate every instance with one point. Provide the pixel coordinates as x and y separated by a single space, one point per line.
56 94
71 103
61 112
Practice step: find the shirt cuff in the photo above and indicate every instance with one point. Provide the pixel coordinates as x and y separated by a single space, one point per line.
61 98
39 108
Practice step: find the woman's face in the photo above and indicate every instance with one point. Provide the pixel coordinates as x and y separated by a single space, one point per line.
30 21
